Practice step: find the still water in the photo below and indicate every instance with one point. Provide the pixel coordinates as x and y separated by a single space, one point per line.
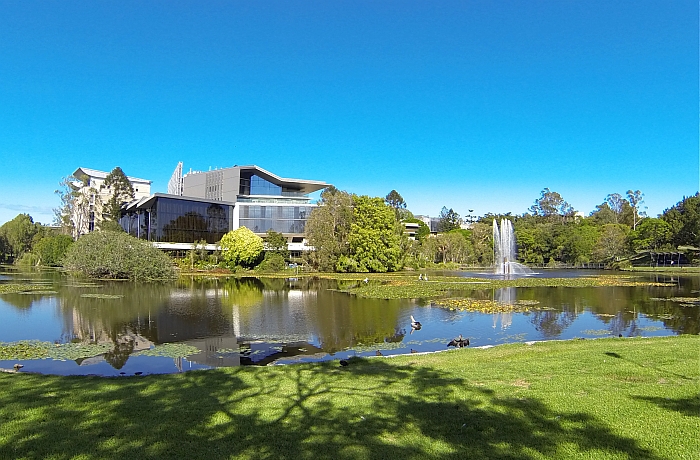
263 321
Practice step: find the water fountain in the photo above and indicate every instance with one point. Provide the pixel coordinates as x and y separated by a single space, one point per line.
504 250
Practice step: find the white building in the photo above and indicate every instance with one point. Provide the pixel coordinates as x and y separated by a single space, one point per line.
88 213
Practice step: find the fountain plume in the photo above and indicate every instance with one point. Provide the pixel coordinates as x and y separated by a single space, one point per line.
504 250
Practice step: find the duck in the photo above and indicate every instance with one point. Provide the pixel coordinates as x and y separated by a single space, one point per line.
18 366
459 342
379 353
415 324
344 363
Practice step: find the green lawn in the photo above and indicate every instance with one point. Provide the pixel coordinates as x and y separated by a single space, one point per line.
592 399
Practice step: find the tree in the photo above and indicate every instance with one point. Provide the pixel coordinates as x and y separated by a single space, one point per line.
651 233
79 203
117 255
551 204
121 191
241 247
276 243
328 228
636 198
375 236
396 202
51 249
684 220
611 244
448 220
19 233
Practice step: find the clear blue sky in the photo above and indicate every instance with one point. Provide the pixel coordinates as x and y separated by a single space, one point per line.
465 104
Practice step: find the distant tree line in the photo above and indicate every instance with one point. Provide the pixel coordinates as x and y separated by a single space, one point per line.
353 233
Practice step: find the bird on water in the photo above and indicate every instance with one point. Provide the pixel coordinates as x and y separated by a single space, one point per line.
460 342
415 325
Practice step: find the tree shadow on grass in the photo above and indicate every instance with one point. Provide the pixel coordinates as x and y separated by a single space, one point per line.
689 406
370 409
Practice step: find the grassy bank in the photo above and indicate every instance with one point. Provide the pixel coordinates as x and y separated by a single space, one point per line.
666 270
607 399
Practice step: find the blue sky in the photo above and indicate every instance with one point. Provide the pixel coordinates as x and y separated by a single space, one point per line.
466 104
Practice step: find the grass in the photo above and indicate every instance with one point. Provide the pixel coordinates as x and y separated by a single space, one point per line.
592 399
402 286
674 270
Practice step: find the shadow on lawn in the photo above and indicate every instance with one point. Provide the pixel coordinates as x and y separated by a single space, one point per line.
689 406
289 412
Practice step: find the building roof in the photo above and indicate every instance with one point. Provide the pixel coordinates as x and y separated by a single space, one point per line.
303 185
103 175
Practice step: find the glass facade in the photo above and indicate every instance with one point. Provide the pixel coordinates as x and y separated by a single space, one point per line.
283 219
178 221
256 185
175 220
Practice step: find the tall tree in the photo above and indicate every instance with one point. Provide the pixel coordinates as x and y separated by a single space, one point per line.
551 204
684 220
611 244
375 236
448 220
120 190
397 203
276 243
79 202
636 198
19 233
328 228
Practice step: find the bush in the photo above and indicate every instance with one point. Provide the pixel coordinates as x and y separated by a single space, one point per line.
51 249
273 262
241 247
117 255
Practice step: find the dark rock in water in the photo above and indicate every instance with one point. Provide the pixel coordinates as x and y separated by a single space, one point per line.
138 373
414 351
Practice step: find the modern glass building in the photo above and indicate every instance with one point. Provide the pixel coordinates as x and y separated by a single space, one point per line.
215 202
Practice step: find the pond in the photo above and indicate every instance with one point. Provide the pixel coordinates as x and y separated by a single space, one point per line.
121 328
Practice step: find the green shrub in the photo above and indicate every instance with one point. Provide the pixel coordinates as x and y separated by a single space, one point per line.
28 259
117 255
241 247
51 249
273 262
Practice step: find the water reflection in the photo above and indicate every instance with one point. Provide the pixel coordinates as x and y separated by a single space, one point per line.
262 321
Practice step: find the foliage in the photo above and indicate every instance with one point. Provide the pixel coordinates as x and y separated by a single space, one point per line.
51 249
448 220
397 203
612 242
241 247
551 204
375 237
636 198
272 262
116 255
276 243
18 235
78 202
328 229
651 233
121 191
684 221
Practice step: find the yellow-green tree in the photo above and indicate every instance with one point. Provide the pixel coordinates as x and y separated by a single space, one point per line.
241 247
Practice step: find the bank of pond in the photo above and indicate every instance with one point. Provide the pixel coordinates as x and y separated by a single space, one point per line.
51 322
